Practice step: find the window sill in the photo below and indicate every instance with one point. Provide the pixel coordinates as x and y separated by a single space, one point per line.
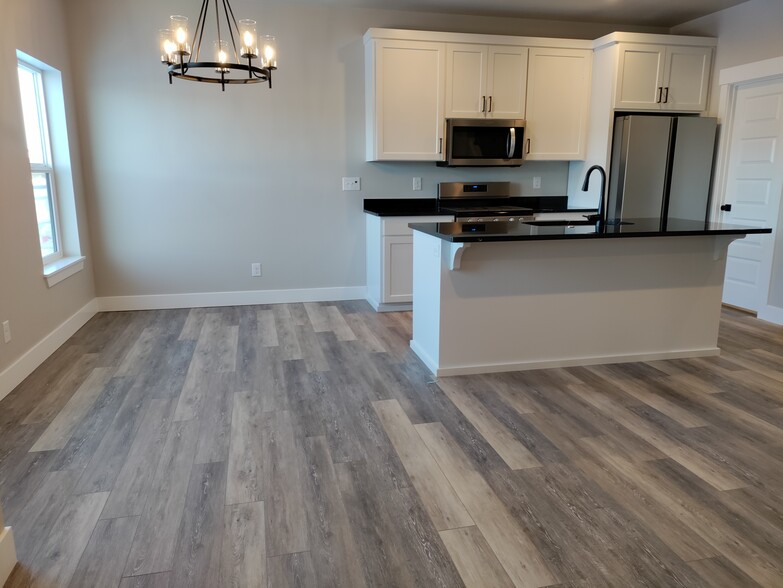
57 271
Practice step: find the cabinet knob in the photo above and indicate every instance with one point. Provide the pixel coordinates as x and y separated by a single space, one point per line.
726 207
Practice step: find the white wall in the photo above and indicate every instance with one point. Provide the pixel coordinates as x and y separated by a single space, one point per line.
188 186
36 28
746 33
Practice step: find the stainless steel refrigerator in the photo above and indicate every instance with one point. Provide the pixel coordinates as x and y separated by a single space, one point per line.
661 167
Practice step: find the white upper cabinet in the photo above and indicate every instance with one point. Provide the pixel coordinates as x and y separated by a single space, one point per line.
558 100
404 95
466 80
661 77
485 81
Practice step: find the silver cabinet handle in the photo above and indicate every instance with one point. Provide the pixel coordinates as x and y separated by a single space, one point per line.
660 93
527 149
666 95
483 104
490 104
511 144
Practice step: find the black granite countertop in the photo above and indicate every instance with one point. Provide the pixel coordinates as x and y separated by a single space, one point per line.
429 206
556 230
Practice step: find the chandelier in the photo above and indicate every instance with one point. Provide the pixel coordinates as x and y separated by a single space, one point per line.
227 65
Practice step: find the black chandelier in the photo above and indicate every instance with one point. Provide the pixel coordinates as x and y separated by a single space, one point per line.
175 49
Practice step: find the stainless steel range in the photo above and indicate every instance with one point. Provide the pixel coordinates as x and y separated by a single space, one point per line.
480 202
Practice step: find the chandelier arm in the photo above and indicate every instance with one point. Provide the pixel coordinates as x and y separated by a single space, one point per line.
226 10
217 20
202 19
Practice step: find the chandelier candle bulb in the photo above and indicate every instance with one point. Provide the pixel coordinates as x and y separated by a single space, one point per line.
167 46
179 24
269 58
247 33
222 51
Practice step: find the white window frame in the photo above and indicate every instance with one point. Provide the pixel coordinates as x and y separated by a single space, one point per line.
47 166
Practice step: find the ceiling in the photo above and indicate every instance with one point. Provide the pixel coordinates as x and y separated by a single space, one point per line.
656 13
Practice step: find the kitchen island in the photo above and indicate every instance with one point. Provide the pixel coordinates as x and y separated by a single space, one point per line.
512 296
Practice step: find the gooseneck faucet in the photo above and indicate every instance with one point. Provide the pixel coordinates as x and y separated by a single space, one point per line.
601 216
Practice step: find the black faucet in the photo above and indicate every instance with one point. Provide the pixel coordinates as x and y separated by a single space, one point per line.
599 218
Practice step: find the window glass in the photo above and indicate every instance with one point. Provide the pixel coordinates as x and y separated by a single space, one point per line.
31 90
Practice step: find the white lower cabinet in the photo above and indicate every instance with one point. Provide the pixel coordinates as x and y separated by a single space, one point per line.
390 260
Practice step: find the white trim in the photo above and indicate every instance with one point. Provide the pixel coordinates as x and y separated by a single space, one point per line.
431 364
771 314
242 298
63 268
480 39
653 39
7 554
751 72
13 375
465 370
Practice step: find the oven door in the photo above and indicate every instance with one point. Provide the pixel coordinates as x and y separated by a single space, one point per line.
484 142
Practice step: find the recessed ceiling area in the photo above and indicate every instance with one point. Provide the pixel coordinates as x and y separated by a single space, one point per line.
654 13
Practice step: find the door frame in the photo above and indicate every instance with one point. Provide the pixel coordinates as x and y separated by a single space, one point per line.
731 80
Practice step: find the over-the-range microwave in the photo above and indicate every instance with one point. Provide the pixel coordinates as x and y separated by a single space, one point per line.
484 142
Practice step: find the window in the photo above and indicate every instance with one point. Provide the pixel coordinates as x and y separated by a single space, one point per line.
46 133
39 152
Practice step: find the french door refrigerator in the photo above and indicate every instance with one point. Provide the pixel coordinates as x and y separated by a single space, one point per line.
661 167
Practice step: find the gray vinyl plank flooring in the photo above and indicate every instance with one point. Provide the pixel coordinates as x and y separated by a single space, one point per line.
305 445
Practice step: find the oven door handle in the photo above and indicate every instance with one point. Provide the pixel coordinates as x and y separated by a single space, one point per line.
511 144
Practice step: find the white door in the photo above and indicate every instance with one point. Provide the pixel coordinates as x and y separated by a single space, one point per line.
466 74
506 82
640 77
558 101
753 189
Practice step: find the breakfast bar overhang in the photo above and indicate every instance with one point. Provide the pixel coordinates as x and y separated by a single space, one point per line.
505 296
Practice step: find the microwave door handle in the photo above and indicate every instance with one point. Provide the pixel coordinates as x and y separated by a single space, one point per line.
511 144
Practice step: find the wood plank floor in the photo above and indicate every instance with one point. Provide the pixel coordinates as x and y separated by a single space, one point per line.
304 445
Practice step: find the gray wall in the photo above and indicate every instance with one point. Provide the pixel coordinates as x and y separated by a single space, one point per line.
188 186
746 33
35 27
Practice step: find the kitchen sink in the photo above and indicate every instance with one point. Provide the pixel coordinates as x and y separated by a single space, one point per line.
559 223
571 223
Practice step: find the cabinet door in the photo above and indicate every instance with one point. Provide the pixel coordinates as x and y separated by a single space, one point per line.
688 78
397 269
466 74
407 101
640 72
558 101
506 82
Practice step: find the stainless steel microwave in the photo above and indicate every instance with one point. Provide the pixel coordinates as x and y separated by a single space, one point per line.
484 142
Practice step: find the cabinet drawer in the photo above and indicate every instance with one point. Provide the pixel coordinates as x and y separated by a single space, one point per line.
399 225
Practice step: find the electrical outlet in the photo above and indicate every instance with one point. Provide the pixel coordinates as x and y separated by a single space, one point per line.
536 182
417 183
7 331
255 270
351 184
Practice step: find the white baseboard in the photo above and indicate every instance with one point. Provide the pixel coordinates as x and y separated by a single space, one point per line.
465 370
7 554
13 375
426 359
207 299
771 314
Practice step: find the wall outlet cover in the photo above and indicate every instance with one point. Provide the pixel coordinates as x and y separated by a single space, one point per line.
416 183
255 270
352 184
7 331
537 182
